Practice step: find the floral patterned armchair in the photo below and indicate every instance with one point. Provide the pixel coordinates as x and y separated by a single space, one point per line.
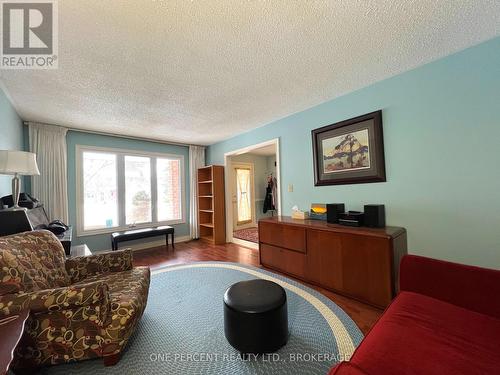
80 308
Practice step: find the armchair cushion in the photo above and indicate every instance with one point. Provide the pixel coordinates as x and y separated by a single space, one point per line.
65 323
80 268
72 298
6 288
32 261
128 292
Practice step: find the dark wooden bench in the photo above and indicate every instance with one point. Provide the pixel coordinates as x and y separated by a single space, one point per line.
136 234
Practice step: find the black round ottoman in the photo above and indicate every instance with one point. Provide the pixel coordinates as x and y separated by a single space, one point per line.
255 316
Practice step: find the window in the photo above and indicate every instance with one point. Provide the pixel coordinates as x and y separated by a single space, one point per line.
169 188
137 190
119 189
100 192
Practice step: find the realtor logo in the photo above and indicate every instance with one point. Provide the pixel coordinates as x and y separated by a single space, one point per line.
29 34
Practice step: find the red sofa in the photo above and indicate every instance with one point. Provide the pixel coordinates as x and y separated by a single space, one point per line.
444 321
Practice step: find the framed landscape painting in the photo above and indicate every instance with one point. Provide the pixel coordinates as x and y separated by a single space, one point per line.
349 152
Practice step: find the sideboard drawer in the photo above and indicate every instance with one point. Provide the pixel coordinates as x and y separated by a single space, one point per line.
360 262
324 258
288 261
286 236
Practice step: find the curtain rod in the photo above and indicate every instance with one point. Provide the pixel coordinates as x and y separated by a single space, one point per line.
123 136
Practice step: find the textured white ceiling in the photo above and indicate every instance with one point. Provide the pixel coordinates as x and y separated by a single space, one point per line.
203 71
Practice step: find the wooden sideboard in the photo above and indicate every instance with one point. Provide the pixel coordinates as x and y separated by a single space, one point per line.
361 263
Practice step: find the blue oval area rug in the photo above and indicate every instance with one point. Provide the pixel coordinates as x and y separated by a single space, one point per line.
182 329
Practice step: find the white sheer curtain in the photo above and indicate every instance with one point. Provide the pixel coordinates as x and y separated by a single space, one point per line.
196 160
243 195
48 142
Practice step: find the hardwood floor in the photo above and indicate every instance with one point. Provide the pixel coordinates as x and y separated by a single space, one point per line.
364 315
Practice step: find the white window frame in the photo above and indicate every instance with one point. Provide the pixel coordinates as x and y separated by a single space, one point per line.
120 173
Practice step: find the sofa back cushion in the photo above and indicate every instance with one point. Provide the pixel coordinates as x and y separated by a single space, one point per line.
473 288
32 261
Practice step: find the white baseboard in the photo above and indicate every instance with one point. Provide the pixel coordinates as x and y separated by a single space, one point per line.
249 244
147 245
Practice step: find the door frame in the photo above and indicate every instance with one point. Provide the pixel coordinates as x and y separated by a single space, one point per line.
227 177
250 166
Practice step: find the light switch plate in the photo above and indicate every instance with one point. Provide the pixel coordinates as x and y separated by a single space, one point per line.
290 188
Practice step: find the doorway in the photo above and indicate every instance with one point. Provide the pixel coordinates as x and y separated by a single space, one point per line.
249 172
243 195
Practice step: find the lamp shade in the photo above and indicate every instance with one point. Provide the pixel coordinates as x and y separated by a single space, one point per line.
20 162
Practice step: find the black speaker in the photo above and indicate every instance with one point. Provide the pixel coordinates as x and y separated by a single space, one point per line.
375 215
332 212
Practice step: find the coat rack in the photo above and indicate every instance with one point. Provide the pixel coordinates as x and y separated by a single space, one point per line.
270 198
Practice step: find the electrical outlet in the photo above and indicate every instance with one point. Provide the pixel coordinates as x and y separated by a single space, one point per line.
290 188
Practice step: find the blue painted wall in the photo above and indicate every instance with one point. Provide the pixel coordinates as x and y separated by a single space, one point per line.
442 150
11 137
102 241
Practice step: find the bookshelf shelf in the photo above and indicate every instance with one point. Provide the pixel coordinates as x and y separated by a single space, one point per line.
211 210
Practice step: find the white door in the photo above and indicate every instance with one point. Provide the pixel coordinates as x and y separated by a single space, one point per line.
243 196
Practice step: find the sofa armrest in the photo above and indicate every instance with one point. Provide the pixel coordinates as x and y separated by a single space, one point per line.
79 268
60 299
470 287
